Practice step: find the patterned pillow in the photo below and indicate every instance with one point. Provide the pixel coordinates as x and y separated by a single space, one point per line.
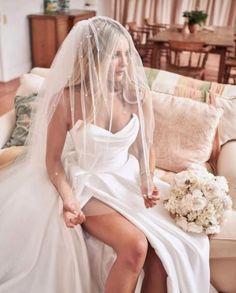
24 108
184 131
151 74
178 85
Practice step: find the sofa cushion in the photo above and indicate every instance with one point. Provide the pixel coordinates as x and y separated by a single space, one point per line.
24 108
184 131
227 125
151 74
223 245
7 124
40 71
9 155
29 84
226 166
171 83
25 103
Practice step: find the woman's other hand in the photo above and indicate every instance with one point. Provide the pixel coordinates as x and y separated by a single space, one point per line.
150 192
72 213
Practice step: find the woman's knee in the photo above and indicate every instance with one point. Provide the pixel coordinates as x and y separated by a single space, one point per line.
133 251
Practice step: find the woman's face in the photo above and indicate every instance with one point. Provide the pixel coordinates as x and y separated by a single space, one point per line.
120 59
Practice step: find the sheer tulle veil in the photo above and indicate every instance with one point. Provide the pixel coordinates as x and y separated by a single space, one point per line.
83 76
95 87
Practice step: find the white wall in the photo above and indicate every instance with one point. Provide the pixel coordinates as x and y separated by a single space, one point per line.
15 56
14 36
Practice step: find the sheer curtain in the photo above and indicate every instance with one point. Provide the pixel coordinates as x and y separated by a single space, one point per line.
220 13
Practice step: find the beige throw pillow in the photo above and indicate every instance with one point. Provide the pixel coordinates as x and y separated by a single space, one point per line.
184 131
29 84
227 125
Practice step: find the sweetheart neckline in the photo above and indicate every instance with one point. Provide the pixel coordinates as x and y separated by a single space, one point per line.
106 130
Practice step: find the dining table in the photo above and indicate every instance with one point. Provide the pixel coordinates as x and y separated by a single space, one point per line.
220 39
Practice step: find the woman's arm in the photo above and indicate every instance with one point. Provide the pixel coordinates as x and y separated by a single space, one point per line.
149 190
57 131
56 136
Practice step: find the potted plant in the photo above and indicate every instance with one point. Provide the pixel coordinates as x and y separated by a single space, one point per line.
195 18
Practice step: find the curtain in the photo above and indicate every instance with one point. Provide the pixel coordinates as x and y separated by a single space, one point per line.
220 13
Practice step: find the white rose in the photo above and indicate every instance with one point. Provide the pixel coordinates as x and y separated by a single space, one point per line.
192 227
186 204
191 216
182 223
198 201
222 183
228 202
210 189
181 179
213 229
198 168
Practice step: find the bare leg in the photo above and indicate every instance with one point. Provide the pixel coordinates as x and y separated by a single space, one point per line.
155 274
130 245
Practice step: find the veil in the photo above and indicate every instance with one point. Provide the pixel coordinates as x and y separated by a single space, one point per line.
82 81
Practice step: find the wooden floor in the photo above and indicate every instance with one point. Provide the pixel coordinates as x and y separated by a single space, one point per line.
7 94
8 90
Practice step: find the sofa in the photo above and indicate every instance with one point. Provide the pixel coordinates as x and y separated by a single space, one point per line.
222 245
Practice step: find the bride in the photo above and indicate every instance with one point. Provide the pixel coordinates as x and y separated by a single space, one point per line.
79 212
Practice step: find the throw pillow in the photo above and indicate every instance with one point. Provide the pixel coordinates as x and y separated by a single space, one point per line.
170 83
151 74
40 71
7 123
24 108
226 90
226 166
29 84
184 131
227 125
227 129
9 155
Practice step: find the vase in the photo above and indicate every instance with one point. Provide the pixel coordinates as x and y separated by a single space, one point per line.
193 28
185 29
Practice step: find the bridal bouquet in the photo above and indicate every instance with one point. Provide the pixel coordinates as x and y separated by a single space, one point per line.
198 200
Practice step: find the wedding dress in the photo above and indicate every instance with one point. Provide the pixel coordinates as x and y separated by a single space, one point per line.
42 255
111 175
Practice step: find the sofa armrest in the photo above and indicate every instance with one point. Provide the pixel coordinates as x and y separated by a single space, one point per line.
40 71
7 123
226 166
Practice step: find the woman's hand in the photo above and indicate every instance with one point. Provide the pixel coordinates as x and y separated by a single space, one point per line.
72 213
149 191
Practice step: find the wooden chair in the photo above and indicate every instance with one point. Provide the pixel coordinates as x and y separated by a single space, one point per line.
144 46
188 59
230 66
155 28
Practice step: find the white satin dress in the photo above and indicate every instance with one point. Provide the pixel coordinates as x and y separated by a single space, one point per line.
109 173
38 253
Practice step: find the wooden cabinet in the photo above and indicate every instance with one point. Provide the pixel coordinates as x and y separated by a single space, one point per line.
47 32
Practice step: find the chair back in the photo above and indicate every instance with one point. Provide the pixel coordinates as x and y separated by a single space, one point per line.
139 35
154 28
144 46
187 58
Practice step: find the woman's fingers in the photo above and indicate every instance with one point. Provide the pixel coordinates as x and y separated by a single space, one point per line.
79 219
73 219
151 200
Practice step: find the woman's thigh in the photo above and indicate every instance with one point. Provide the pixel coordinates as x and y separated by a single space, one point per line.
114 230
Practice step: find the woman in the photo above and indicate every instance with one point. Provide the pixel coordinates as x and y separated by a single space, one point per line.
94 108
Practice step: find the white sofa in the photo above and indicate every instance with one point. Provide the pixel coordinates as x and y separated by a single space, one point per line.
223 245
